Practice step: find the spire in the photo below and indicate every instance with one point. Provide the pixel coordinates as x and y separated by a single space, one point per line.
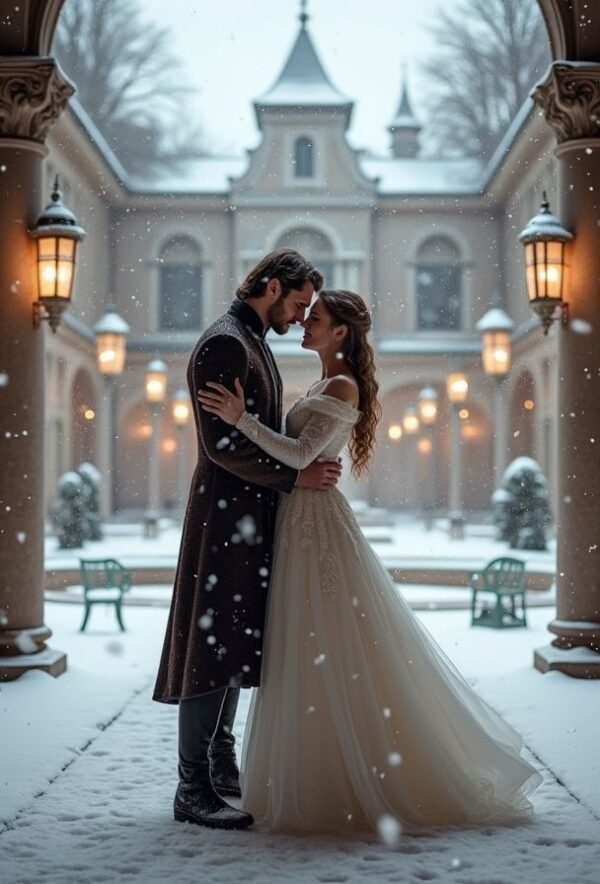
405 127
304 16
303 81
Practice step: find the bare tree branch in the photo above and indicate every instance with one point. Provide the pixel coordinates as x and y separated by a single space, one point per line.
129 82
488 54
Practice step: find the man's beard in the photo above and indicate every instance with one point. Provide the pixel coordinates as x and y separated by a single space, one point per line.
276 317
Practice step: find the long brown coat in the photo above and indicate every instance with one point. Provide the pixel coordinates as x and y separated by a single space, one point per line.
214 634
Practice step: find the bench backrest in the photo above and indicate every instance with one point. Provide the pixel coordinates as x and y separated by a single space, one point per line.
101 573
504 573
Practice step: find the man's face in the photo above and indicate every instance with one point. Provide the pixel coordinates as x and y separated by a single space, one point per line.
291 308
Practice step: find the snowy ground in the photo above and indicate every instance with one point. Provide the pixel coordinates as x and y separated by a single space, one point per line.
87 774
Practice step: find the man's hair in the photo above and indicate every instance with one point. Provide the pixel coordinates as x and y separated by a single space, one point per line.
286 265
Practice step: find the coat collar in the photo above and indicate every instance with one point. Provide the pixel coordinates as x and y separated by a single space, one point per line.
249 317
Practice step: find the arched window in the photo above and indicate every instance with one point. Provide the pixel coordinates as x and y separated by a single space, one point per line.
314 246
303 158
439 285
180 285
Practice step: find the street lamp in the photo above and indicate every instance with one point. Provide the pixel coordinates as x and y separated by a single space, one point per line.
428 409
156 390
56 233
181 417
457 389
495 328
544 239
410 421
111 344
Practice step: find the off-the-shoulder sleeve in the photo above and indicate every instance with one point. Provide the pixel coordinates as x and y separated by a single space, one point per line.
317 433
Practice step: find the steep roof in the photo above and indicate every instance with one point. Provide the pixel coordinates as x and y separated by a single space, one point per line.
303 81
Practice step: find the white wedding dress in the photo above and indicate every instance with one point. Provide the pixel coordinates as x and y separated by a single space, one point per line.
360 714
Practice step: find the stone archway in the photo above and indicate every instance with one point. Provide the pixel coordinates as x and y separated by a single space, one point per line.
33 93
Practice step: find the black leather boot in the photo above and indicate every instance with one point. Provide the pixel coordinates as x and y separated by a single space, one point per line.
223 766
196 800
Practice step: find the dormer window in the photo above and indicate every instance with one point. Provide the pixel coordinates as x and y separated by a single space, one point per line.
303 158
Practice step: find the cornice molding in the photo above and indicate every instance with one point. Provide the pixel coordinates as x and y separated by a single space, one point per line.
570 99
33 94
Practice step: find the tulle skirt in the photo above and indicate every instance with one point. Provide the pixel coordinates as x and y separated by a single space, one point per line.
360 715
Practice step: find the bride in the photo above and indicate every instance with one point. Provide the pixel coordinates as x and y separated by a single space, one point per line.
360 715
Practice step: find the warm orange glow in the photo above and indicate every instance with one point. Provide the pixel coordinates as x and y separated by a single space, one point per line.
428 412
495 353
410 422
528 404
544 261
110 353
144 431
395 431
424 446
463 414
457 387
89 414
470 431
56 263
156 386
181 412
169 446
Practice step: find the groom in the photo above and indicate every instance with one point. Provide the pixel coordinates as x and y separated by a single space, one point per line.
213 642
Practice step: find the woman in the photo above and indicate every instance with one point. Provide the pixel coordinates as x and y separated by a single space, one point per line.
360 715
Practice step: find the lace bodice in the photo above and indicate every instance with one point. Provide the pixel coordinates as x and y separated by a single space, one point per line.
316 426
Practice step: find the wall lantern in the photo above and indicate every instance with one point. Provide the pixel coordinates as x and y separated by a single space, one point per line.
457 387
544 239
111 342
495 328
410 421
427 404
56 233
181 408
156 381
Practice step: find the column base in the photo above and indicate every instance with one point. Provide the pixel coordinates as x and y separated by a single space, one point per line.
580 662
49 660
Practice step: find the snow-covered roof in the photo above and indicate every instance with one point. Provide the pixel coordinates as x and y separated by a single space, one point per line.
210 175
412 175
303 81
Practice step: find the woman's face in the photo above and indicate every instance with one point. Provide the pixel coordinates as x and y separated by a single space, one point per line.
319 332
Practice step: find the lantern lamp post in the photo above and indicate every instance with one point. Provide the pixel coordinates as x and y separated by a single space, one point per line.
181 417
156 391
457 390
428 410
57 234
544 239
111 345
495 328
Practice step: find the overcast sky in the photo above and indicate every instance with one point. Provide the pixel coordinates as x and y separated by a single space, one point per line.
235 49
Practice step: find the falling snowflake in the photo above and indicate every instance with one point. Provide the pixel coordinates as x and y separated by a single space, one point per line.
394 759
205 622
389 830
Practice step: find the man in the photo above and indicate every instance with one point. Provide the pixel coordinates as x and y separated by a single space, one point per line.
213 642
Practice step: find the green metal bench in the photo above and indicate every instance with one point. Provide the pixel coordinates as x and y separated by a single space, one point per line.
105 582
503 578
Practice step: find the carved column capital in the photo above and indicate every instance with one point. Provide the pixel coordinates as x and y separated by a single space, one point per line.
33 94
570 99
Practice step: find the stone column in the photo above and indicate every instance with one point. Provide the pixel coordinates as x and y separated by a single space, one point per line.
32 95
570 98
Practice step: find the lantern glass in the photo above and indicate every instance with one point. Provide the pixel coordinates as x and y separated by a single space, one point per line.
110 352
56 262
427 411
181 412
457 387
156 386
544 268
495 353
411 422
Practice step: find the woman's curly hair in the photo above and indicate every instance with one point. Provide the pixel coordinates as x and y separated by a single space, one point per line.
349 309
